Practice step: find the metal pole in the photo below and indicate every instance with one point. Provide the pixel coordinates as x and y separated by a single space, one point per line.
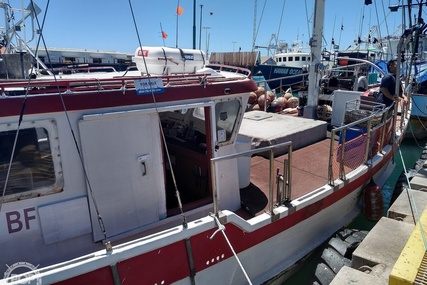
200 28
194 24
206 47
316 54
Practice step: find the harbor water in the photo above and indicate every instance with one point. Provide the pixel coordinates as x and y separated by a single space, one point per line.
410 150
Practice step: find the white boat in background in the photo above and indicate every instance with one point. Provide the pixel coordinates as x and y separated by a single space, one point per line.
290 65
418 124
165 179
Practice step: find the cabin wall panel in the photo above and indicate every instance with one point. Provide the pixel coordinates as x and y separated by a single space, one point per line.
123 159
65 220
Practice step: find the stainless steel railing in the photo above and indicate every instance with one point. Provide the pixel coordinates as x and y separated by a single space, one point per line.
287 172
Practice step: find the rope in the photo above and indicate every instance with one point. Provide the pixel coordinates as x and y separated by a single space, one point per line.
221 228
177 194
412 204
413 135
21 115
280 22
99 217
41 38
307 18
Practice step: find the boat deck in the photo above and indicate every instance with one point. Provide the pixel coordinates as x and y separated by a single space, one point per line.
309 163
309 171
310 157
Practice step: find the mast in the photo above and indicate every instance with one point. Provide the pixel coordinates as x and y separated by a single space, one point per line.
194 24
310 110
254 28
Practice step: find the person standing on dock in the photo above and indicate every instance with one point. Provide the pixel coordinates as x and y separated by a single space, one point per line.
388 86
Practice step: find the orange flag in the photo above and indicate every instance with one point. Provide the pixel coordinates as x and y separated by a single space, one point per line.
179 10
164 35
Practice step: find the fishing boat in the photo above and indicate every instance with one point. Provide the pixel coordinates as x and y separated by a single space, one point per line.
418 124
165 179
286 68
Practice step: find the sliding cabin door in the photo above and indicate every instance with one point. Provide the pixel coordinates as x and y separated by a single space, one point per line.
122 154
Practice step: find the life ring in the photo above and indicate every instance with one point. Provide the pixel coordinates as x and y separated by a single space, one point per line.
361 84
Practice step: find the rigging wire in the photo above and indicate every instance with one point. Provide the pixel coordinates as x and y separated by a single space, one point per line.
359 41
41 38
280 23
177 194
378 23
333 32
259 24
341 30
386 25
412 203
306 16
98 214
411 200
21 115
412 132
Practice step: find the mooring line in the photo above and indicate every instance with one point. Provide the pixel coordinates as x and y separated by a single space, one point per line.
412 204
221 228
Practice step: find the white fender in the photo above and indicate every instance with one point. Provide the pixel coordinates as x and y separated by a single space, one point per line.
361 83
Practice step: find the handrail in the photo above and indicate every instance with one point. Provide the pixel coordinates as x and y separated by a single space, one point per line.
270 149
236 69
120 79
343 130
285 78
369 128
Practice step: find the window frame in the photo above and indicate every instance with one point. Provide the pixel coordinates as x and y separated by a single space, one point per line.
52 134
236 124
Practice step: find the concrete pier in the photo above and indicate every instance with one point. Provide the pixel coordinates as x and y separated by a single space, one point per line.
392 251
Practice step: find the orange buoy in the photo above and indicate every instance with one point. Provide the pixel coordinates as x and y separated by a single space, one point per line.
343 62
373 202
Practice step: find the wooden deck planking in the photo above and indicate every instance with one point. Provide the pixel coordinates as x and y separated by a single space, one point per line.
309 172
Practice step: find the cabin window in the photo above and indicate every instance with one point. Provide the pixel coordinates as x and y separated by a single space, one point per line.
69 59
280 59
199 113
30 162
290 58
284 59
303 58
297 58
226 114
97 60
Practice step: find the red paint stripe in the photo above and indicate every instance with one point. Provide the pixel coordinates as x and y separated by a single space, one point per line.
170 264
205 249
160 266
99 276
38 104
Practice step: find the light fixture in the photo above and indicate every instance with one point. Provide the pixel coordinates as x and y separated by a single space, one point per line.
393 8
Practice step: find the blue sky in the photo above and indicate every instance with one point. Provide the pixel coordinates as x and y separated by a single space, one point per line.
229 24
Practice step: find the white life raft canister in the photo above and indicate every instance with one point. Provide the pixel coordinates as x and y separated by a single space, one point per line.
167 61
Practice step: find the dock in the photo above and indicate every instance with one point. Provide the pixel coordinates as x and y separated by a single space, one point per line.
394 251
